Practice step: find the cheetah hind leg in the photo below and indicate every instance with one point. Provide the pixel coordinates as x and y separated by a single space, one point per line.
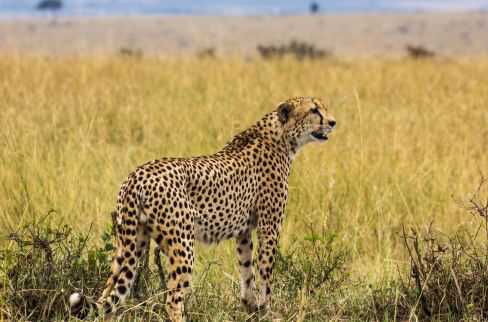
130 248
81 305
134 246
179 252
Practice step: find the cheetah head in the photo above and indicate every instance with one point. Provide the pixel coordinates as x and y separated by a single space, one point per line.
304 120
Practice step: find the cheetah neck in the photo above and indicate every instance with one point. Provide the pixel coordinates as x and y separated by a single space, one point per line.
289 145
269 129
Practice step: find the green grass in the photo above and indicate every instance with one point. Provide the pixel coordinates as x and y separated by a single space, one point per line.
411 142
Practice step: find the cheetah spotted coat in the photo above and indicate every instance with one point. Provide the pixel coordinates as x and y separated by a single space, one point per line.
177 201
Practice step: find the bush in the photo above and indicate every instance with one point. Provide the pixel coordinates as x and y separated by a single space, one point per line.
419 52
44 265
307 275
451 278
448 276
299 50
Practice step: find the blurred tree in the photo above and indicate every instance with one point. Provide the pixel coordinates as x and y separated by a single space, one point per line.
314 7
51 5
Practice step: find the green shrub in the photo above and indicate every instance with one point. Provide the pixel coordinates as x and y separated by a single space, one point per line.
44 264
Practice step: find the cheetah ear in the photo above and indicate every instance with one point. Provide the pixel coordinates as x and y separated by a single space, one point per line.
284 111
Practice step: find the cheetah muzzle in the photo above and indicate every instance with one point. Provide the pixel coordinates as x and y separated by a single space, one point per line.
320 135
179 201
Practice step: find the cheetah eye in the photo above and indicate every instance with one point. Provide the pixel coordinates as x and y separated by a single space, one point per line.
315 110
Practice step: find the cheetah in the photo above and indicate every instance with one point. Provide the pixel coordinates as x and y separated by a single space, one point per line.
178 201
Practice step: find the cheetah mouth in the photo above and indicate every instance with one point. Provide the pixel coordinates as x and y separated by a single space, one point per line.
319 135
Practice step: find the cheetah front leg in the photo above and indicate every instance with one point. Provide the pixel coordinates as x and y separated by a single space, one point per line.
248 282
268 244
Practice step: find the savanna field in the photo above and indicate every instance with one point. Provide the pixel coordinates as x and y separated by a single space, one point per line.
408 154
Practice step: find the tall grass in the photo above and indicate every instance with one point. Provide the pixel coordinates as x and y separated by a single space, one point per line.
411 141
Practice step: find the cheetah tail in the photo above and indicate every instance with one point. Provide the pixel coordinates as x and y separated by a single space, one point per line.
80 306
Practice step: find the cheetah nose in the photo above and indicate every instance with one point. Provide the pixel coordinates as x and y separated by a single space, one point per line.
331 123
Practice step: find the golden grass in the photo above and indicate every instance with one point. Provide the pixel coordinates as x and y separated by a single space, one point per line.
411 140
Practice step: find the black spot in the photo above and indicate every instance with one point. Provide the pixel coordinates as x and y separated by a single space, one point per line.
115 299
122 289
107 308
248 281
